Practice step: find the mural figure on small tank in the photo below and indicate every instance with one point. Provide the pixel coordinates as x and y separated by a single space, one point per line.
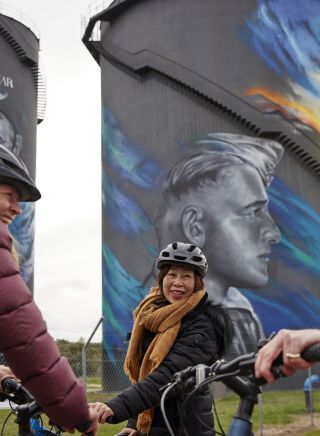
216 198
8 136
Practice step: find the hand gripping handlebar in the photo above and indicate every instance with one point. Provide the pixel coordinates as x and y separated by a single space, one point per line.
27 407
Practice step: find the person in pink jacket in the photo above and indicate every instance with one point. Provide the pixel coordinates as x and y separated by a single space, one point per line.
29 350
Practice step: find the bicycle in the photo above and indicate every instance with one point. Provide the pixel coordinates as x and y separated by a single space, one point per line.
193 378
27 412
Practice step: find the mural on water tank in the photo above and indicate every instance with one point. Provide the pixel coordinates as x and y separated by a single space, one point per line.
18 121
285 36
174 195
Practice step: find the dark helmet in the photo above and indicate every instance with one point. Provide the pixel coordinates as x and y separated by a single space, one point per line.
180 252
14 172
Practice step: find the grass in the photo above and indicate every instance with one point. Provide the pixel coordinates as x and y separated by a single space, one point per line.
94 380
279 409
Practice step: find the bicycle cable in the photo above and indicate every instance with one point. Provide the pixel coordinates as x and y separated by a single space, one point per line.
163 397
211 379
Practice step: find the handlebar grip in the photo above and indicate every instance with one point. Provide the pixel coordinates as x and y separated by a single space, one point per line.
312 353
10 385
15 391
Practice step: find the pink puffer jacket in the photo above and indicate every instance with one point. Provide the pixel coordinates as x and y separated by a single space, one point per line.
31 352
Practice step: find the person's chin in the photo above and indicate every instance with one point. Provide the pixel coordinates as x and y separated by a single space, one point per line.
259 281
254 279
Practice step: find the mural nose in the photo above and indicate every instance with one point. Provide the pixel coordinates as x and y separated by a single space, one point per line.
272 233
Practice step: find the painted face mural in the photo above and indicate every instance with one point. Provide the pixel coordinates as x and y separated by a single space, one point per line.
6 132
238 229
217 197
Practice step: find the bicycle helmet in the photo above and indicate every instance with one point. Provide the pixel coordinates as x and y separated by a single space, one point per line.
14 172
183 253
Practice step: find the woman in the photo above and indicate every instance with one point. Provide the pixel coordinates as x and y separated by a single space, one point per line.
28 348
174 327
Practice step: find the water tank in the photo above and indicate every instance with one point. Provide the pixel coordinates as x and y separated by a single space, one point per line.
234 78
21 109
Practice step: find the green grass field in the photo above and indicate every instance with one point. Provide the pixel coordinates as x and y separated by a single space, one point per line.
279 409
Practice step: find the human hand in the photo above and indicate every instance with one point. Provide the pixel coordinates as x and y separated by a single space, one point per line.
290 343
93 416
5 372
92 430
103 411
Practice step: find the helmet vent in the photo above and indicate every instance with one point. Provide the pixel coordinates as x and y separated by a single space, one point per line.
196 258
174 245
191 248
180 257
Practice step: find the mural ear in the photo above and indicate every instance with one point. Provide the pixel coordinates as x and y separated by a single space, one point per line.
192 225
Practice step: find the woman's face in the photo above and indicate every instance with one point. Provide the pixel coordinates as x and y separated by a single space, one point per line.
9 203
178 284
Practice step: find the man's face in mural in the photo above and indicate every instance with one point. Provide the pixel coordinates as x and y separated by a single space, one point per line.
238 229
6 132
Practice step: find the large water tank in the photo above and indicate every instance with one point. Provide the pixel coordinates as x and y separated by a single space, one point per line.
21 109
184 76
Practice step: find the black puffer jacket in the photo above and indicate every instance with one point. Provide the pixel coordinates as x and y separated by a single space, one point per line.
203 337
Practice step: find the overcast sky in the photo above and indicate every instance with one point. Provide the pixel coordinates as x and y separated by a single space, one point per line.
68 224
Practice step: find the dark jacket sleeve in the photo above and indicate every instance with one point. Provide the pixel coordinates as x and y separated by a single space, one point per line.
195 344
31 352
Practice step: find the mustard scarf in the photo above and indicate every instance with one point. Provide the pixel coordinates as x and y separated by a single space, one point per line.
165 322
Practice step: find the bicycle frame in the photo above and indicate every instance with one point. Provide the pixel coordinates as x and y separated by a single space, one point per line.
38 429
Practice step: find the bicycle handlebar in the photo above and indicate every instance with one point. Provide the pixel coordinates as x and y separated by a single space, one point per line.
27 406
312 353
15 392
240 366
194 377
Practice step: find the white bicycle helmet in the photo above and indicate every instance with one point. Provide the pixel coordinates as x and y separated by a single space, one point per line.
14 172
183 253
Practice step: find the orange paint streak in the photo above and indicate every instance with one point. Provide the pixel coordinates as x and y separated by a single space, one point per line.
299 111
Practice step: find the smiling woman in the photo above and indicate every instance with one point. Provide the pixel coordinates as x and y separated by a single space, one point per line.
175 326
9 203
24 339
178 283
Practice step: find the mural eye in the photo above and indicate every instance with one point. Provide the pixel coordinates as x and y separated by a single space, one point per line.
253 213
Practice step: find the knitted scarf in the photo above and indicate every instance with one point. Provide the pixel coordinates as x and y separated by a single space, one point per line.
165 322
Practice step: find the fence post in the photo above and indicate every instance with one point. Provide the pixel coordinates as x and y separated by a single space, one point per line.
83 354
311 398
